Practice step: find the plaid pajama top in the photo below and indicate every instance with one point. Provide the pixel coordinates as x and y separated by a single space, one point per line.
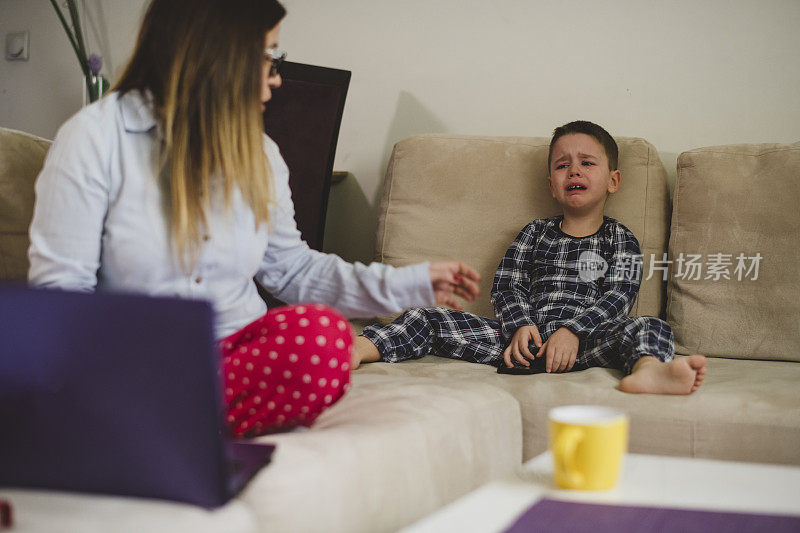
550 279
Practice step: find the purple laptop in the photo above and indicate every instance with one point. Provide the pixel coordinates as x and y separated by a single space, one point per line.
116 394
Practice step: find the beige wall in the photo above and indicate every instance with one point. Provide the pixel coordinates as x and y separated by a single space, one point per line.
682 74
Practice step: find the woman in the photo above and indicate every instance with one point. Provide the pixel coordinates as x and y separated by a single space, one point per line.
169 187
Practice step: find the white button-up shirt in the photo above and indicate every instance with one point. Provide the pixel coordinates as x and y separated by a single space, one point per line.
99 224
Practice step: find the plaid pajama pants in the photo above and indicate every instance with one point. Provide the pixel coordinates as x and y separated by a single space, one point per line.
459 335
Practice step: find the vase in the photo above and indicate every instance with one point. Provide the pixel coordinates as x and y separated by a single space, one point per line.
94 87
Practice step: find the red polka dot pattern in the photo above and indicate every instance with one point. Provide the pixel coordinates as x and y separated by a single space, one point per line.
284 369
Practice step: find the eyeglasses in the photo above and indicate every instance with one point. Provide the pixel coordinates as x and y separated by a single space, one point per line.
275 57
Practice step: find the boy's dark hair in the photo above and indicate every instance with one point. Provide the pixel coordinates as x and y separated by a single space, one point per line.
593 130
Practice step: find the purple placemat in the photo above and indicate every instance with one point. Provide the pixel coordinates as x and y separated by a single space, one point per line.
565 517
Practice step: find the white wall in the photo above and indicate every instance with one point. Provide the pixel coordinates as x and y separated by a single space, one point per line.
38 95
681 74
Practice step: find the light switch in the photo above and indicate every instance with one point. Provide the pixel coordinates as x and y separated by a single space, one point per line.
17 46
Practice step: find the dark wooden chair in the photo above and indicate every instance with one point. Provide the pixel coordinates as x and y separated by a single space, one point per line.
303 118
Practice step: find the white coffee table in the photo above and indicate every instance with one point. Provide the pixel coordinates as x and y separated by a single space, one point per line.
646 480
42 511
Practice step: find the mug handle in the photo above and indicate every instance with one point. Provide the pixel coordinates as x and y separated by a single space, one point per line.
565 446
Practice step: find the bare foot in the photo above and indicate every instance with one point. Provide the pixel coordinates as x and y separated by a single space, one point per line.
682 375
363 350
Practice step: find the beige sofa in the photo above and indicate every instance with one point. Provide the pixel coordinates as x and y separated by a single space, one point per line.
450 196
413 436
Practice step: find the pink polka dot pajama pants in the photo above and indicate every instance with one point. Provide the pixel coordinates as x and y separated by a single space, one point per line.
284 369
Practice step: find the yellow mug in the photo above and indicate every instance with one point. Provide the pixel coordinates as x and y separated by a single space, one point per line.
588 444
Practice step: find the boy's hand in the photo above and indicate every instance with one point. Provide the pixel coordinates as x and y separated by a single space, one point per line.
453 278
518 348
561 349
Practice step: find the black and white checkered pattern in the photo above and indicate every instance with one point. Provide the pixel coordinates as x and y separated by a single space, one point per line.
444 332
539 280
542 281
624 342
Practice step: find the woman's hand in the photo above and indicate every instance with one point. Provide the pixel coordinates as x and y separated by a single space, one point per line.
518 347
453 278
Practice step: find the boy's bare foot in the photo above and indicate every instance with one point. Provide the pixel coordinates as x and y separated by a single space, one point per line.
363 350
682 375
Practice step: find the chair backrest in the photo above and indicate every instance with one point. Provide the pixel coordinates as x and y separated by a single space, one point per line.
303 118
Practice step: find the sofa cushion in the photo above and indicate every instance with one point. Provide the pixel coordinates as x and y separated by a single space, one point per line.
744 411
21 159
393 450
739 201
452 197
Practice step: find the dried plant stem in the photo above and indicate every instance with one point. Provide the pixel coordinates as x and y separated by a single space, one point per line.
75 40
76 24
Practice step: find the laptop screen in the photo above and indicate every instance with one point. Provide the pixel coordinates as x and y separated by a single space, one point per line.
110 393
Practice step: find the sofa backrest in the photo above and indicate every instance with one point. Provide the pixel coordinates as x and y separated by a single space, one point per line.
736 216
450 197
21 159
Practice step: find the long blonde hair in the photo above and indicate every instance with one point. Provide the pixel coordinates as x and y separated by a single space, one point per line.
201 61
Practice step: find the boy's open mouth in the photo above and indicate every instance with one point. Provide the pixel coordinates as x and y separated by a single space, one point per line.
576 187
